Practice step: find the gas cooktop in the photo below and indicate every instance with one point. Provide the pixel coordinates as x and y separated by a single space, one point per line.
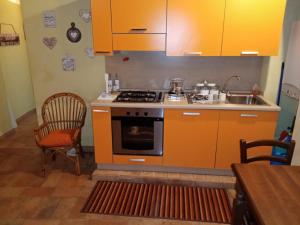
140 96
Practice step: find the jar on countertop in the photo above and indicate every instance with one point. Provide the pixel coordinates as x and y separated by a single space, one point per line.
214 92
202 88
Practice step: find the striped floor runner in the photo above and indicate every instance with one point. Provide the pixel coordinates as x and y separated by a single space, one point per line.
159 201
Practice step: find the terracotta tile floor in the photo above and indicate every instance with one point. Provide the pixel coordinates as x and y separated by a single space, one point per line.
27 198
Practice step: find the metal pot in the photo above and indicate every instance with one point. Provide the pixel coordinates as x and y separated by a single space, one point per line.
176 86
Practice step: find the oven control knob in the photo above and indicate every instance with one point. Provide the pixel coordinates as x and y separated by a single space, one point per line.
137 113
145 114
128 113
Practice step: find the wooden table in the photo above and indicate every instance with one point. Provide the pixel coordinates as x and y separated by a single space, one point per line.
271 193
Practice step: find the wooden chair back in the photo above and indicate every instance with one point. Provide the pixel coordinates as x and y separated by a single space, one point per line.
63 111
245 146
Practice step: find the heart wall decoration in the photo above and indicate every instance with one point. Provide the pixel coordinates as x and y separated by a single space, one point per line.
85 15
73 33
50 42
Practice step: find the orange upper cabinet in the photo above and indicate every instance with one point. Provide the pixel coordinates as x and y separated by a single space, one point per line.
195 27
139 16
253 27
101 23
139 25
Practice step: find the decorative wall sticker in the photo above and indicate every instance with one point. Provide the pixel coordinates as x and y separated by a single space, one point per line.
50 42
8 39
85 15
90 52
125 59
68 63
73 33
49 18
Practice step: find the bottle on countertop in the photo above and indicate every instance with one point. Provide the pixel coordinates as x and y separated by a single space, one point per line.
255 90
108 83
116 83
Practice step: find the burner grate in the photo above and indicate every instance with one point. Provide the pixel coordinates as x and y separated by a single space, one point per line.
137 96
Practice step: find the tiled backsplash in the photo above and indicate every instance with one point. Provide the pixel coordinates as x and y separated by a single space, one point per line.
154 70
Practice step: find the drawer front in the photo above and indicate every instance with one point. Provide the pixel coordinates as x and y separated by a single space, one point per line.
139 42
137 160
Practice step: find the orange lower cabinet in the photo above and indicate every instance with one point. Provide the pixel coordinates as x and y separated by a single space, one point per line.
248 125
102 134
190 138
137 160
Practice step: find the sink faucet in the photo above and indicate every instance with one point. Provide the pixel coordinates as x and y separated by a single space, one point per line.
224 89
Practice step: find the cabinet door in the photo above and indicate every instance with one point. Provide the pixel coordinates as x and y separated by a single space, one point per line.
138 16
253 27
248 125
190 138
102 134
195 27
101 23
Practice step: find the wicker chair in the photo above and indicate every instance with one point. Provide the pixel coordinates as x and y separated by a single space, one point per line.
63 117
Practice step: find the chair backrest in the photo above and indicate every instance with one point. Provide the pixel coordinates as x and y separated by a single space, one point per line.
63 111
289 147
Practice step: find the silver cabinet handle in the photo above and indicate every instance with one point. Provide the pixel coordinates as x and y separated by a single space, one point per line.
136 160
103 52
249 115
193 53
249 53
100 111
191 114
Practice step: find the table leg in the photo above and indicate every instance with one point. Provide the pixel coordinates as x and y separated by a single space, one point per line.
239 206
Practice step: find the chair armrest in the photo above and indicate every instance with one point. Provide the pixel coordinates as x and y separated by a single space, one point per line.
41 132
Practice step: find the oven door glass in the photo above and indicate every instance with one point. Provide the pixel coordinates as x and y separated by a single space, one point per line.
137 133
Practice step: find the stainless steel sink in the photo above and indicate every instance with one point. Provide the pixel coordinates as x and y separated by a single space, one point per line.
245 100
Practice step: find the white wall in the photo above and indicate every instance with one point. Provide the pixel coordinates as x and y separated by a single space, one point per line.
46 65
293 77
14 62
5 124
272 65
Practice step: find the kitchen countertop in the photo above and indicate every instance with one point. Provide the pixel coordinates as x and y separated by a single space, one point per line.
183 104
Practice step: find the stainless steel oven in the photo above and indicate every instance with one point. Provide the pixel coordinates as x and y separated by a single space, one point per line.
137 131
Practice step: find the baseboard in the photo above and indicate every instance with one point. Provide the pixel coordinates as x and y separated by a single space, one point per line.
88 149
33 111
166 169
8 133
